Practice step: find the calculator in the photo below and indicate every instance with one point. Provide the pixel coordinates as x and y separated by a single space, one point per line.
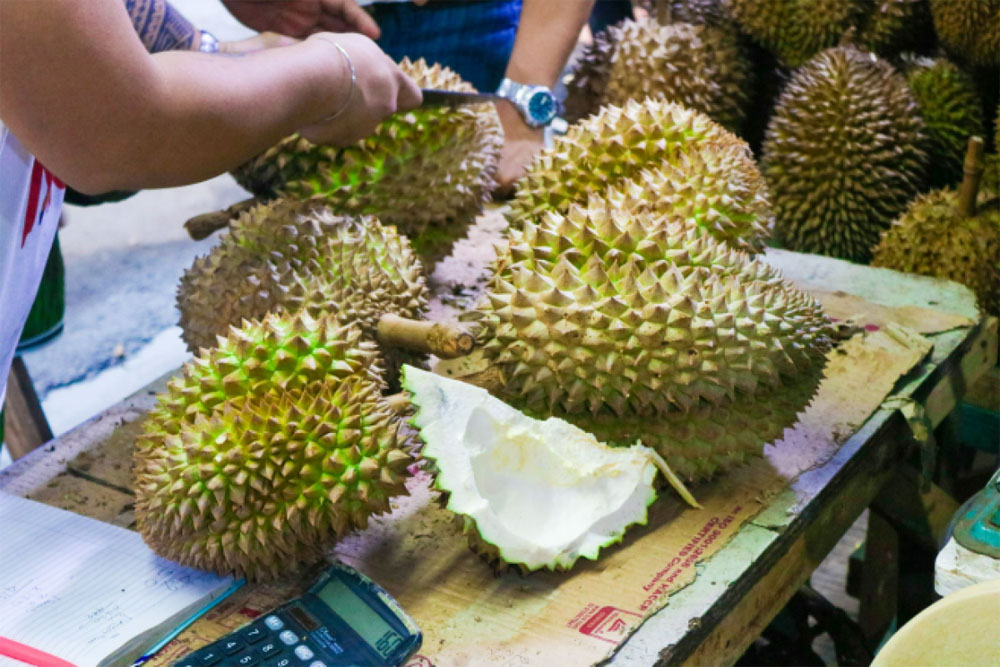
344 618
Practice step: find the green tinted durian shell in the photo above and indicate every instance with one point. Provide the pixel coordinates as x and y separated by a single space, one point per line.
950 108
795 31
268 448
932 239
843 153
969 28
673 161
432 166
700 67
286 256
600 310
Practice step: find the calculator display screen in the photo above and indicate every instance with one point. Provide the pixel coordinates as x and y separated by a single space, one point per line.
363 619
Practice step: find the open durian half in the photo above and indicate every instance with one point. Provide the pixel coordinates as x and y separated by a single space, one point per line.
528 493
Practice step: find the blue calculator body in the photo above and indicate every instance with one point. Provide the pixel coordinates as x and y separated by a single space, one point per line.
343 619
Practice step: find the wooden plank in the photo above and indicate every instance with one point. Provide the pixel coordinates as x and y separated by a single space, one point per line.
35 470
754 600
780 547
25 426
879 580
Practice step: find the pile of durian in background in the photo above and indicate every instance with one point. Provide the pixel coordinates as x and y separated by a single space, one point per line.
630 324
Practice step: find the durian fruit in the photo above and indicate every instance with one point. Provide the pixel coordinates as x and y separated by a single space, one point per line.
267 448
701 67
843 153
891 26
428 171
671 160
949 105
611 320
707 439
969 28
934 238
796 31
528 494
286 256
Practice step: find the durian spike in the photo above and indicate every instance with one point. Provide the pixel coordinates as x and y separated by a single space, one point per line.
202 226
972 175
673 480
399 403
446 341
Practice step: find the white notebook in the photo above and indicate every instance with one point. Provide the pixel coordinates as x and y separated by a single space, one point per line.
86 591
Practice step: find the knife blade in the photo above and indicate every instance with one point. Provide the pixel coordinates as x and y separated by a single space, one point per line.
436 98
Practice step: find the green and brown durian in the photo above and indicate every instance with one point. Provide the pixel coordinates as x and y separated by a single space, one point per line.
843 154
950 107
702 67
611 318
933 238
428 171
267 448
290 256
796 31
970 29
664 158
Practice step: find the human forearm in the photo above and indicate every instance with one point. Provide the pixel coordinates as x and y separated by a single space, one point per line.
546 35
81 93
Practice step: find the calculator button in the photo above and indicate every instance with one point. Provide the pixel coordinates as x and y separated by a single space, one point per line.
317 663
230 646
247 659
187 662
280 662
289 637
253 635
303 652
269 648
274 623
209 657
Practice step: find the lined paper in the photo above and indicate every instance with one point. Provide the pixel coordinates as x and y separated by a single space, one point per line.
80 589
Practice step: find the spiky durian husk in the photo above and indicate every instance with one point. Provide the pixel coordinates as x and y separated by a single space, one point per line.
432 166
894 25
286 256
678 161
969 28
843 153
267 448
604 310
949 105
931 238
795 31
701 67
708 439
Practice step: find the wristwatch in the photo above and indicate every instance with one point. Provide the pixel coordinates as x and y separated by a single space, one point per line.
536 104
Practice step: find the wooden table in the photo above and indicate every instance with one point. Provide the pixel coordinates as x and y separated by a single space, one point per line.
739 590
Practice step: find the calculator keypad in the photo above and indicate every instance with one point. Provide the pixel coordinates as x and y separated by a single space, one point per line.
269 642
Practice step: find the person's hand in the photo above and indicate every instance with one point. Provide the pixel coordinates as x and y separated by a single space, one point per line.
300 18
521 144
381 89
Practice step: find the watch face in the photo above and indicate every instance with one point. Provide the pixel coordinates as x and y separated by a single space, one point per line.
542 107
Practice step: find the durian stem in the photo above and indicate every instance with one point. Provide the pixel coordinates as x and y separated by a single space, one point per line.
972 174
399 403
201 226
664 12
674 480
447 341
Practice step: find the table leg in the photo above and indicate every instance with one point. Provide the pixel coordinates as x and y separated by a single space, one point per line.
25 425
